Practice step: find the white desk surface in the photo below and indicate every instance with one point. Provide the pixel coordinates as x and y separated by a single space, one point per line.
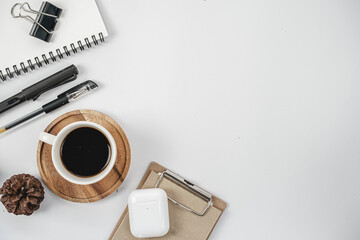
256 101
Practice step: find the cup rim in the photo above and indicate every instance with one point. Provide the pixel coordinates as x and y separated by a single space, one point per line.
60 168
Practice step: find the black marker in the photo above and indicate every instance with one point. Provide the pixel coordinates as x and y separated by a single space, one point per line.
64 98
34 91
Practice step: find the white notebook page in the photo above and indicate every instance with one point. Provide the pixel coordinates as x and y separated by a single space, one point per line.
80 19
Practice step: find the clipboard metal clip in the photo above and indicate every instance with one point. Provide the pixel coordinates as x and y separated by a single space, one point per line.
201 193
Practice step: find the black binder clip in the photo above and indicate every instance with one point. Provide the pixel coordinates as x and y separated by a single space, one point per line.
45 21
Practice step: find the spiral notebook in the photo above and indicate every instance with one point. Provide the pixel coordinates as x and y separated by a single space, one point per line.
79 27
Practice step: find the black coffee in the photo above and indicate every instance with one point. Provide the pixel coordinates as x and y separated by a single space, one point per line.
85 152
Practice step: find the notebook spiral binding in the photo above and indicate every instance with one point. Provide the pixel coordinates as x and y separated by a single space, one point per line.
32 64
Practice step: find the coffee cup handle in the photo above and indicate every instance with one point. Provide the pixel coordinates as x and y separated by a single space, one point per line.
47 138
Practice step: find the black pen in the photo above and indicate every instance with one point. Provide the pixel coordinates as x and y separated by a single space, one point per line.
34 91
64 98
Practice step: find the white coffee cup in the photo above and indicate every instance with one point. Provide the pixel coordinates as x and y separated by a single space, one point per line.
56 142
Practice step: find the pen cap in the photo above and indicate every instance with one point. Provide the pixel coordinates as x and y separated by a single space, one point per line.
64 76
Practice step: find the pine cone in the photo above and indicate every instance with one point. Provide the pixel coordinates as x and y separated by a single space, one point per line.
22 194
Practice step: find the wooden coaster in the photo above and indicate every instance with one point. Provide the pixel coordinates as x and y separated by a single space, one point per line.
92 192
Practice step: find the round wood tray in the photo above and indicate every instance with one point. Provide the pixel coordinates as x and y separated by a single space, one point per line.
92 192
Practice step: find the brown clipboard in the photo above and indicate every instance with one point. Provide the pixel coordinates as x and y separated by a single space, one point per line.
183 224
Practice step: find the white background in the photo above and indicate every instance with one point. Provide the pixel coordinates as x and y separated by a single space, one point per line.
256 101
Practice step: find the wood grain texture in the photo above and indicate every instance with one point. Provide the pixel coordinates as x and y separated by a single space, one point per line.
92 192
